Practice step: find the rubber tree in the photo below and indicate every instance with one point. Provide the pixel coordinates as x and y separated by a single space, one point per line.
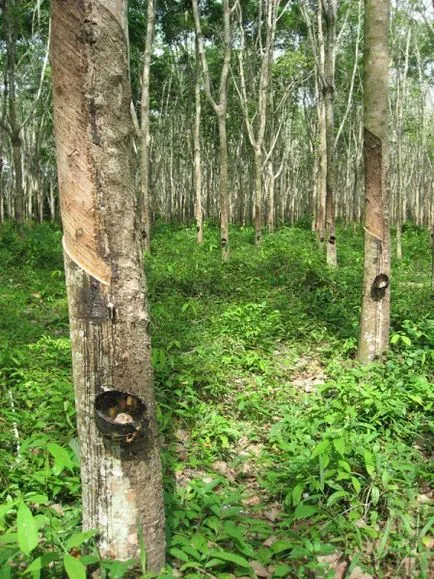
13 126
220 108
18 108
145 136
328 13
120 459
375 315
197 147
267 19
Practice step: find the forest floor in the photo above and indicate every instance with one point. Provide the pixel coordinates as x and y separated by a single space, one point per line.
282 456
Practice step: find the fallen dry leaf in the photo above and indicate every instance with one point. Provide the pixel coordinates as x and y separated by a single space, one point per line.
272 514
252 501
358 573
336 563
259 569
57 509
182 435
270 541
425 499
223 468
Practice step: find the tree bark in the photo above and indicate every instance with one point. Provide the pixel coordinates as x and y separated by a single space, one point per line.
197 150
328 87
375 315
14 127
220 109
145 134
257 134
432 254
223 188
121 476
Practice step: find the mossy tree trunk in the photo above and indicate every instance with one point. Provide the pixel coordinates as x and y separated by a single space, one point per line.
121 478
375 316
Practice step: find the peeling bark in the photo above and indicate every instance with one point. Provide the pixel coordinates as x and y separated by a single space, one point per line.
121 482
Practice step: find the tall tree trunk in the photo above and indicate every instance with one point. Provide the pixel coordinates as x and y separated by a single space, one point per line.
321 177
197 151
432 255
329 16
220 109
223 187
18 169
375 315
401 89
120 461
270 179
258 195
145 134
14 127
267 17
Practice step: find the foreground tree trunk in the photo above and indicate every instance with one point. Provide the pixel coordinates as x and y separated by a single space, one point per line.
120 461
375 317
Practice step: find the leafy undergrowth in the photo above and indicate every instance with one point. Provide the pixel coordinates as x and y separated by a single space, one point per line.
283 457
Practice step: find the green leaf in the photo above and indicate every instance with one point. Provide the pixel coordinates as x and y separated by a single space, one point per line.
230 558
233 531
37 499
143 552
79 538
282 570
281 545
344 465
74 567
333 498
356 484
117 569
6 509
370 469
27 531
41 562
369 463
200 542
178 554
297 492
304 511
61 457
8 539
375 495
320 447
339 444
74 445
